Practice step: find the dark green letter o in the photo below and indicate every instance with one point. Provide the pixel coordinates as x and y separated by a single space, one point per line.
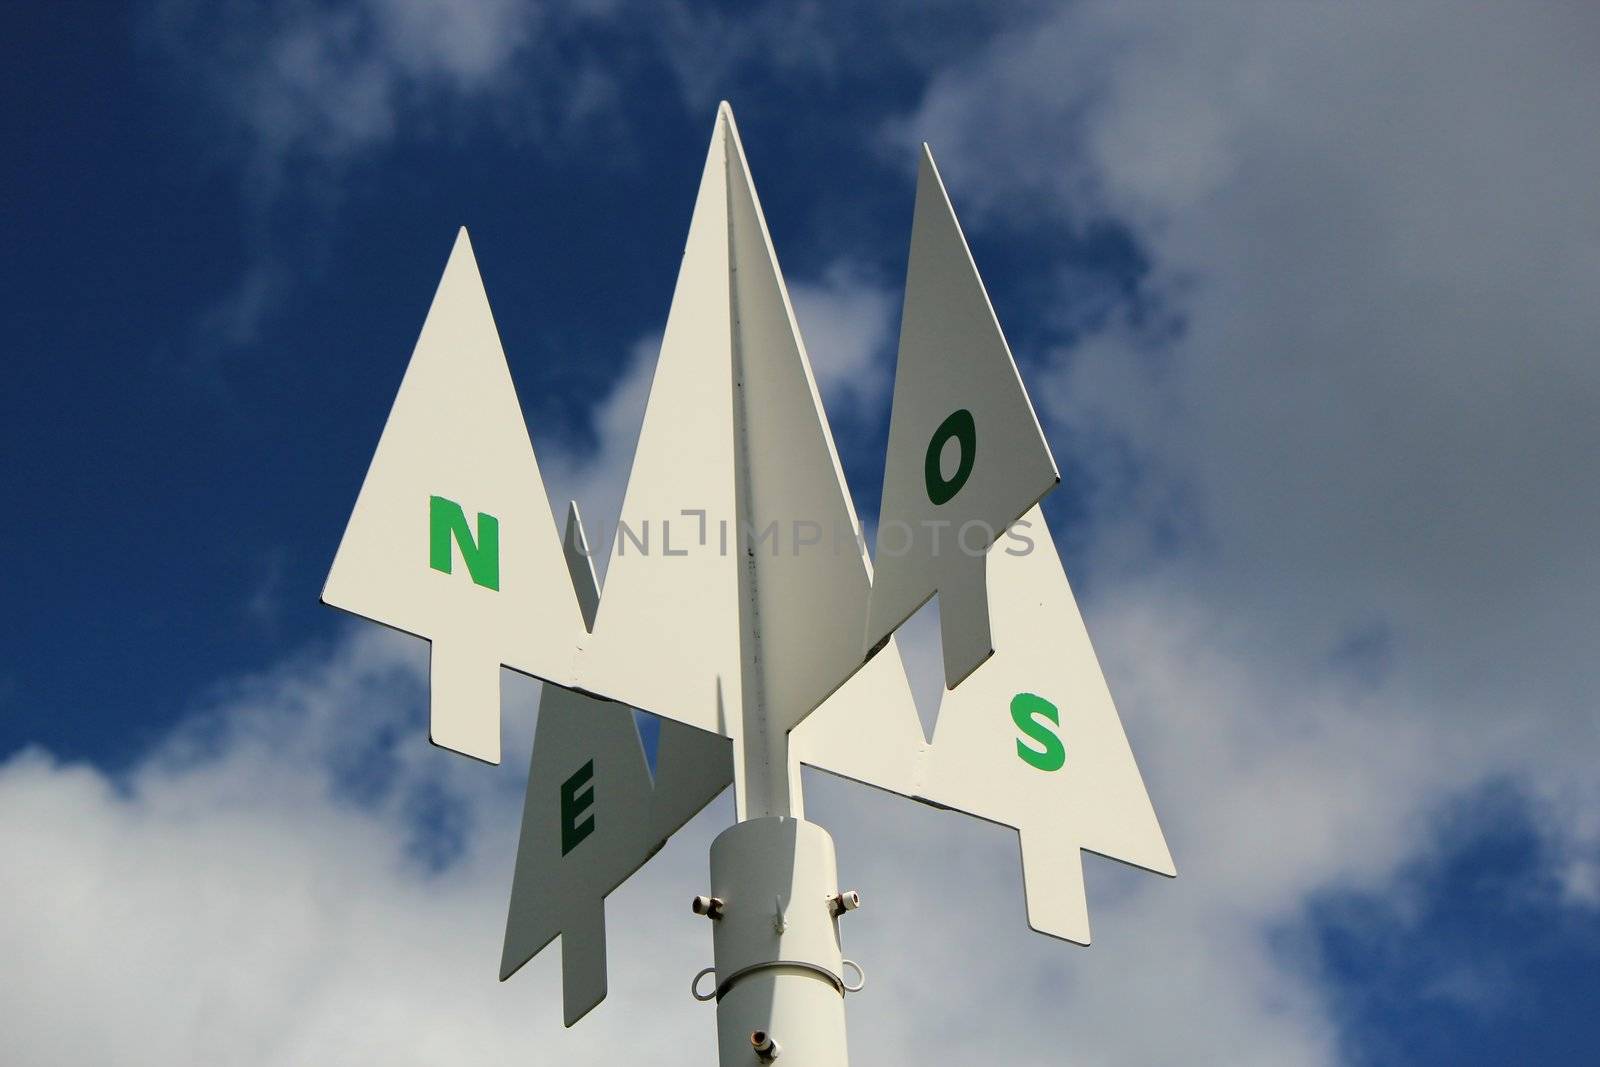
960 426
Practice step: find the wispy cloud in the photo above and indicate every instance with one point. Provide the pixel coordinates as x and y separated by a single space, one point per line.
846 317
296 95
320 85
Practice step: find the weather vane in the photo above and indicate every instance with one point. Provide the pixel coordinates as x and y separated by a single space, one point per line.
752 623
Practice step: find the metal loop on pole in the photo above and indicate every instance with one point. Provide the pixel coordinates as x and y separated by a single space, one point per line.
795 965
860 973
694 986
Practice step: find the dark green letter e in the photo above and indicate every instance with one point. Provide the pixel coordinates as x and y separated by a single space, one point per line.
446 521
575 800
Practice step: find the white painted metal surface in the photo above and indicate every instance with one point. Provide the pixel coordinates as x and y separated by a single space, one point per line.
779 967
737 623
593 816
966 454
667 638
867 731
451 537
1031 740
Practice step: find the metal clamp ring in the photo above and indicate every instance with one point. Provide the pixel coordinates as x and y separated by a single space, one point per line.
694 986
859 986
795 965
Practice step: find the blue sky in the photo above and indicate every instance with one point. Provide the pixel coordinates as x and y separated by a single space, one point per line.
1304 297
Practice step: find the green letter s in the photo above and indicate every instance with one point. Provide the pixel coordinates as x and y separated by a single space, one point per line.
1026 711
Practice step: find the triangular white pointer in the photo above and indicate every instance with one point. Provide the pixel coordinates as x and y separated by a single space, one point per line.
592 816
1031 740
737 586
966 455
737 581
451 537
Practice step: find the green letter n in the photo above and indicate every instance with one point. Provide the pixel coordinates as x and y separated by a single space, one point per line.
446 521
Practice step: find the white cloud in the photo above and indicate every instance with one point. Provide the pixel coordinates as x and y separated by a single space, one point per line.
327 82
1339 444
301 91
845 318
597 478
1373 227
257 891
306 90
261 890
708 50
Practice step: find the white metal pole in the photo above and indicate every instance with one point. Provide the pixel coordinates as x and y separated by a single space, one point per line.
778 965
780 972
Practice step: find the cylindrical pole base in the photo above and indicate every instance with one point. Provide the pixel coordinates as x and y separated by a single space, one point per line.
779 968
